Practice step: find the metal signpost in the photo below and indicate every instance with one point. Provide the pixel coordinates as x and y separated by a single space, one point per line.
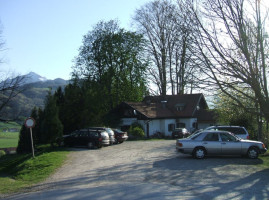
30 123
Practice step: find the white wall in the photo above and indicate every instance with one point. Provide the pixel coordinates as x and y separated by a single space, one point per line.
161 125
204 125
127 121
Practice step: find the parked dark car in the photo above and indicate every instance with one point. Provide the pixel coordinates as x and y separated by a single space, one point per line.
83 137
120 136
180 133
108 130
210 142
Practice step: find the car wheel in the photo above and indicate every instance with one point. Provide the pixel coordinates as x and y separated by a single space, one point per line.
90 145
199 153
253 153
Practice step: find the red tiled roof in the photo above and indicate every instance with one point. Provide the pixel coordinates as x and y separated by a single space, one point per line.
165 106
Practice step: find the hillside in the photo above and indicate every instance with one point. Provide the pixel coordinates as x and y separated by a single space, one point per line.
33 95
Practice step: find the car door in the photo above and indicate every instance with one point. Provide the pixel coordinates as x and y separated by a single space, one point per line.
83 138
230 145
75 139
211 143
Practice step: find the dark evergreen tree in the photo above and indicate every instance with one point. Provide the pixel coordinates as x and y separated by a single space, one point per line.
51 126
41 139
72 116
24 144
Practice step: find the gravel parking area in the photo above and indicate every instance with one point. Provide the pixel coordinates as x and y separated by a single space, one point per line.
151 170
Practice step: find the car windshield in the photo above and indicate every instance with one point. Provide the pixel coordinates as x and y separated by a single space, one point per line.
193 136
237 138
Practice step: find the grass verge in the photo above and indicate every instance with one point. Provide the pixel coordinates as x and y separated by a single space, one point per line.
20 171
265 159
9 139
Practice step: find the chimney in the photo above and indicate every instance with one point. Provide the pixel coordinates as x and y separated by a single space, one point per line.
164 104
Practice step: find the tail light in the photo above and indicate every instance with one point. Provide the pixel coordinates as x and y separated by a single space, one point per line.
179 144
248 137
263 146
100 139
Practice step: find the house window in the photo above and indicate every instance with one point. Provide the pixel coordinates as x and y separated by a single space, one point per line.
180 106
171 127
180 125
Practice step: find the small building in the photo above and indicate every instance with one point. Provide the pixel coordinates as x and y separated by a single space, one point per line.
165 113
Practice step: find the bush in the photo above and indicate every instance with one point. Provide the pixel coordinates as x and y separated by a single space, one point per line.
2 153
136 131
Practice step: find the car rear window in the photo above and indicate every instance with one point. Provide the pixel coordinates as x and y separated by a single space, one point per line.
234 130
93 133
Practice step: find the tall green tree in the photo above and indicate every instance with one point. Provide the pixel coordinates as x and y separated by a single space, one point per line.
71 111
229 113
51 126
110 68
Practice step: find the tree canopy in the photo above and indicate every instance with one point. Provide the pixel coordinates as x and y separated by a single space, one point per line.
231 48
111 61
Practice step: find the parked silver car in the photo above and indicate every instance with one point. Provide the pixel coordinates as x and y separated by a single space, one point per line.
108 130
105 138
219 143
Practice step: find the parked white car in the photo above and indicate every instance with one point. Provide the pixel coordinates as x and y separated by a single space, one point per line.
210 142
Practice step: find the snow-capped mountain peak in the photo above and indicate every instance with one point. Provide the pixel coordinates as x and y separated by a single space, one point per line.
32 77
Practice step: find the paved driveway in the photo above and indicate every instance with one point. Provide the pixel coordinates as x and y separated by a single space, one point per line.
151 170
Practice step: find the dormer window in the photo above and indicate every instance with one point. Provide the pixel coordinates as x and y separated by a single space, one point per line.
180 106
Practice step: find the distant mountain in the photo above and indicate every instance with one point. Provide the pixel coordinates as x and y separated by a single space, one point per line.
32 77
35 89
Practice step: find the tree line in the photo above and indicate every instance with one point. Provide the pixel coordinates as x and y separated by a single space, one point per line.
109 69
218 47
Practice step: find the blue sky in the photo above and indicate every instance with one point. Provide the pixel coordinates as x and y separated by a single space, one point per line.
43 36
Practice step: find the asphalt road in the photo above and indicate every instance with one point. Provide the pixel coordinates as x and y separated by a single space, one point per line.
151 170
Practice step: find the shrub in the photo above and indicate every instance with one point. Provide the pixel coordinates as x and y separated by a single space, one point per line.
2 153
137 132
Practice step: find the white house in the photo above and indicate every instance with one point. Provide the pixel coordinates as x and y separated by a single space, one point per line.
165 113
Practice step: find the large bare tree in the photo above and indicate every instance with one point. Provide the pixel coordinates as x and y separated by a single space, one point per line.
232 48
10 85
166 28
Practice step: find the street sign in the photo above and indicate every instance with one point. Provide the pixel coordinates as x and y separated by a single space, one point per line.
29 122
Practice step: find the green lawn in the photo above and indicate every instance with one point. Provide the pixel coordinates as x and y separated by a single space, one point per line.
20 171
9 139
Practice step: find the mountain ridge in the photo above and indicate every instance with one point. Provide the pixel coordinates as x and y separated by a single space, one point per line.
33 77
34 91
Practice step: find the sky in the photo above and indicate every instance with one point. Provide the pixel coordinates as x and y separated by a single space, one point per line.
43 36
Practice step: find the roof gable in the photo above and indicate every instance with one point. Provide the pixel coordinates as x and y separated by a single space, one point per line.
169 106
